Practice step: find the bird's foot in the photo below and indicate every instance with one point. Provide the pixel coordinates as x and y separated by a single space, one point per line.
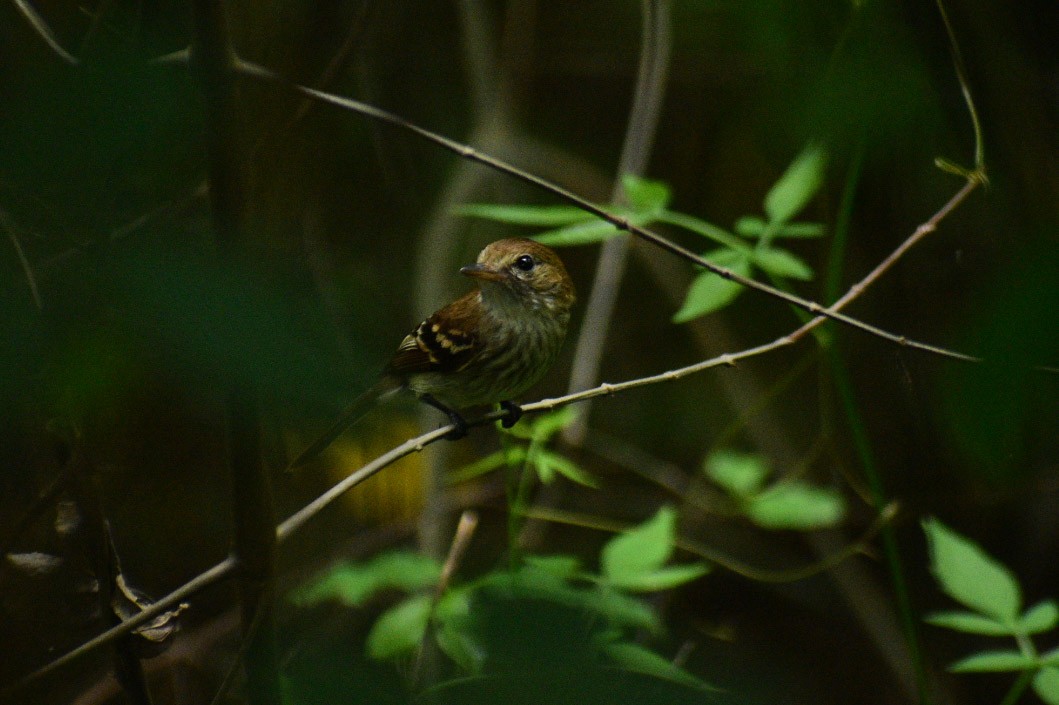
514 413
459 429
459 424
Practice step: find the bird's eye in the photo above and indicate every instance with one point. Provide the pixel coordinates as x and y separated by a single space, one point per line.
525 263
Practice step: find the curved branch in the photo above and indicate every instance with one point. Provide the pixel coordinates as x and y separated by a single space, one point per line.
618 222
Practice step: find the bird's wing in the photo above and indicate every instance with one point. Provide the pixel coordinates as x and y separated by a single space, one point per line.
445 342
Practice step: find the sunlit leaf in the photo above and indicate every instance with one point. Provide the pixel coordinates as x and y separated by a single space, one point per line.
452 615
531 582
545 470
970 576
645 195
796 506
782 263
513 455
460 646
540 216
634 657
994 662
1040 618
400 629
640 550
564 567
547 425
742 474
969 622
710 292
587 233
793 191
1046 685
567 468
665 578
353 584
704 228
753 226
622 610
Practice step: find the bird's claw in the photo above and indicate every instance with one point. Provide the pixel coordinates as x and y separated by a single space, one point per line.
459 427
514 413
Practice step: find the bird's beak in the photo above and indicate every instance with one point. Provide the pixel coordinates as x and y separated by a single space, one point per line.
480 271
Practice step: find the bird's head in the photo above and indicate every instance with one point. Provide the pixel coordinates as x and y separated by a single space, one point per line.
520 272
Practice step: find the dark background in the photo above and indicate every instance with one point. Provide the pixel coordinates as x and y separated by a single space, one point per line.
350 240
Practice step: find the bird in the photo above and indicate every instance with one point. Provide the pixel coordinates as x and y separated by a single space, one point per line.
486 347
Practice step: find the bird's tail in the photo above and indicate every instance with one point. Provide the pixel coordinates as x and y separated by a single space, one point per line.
357 408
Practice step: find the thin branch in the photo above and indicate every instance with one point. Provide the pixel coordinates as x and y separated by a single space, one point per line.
636 151
8 224
42 28
465 529
727 562
618 222
921 232
219 572
228 567
491 125
413 445
965 88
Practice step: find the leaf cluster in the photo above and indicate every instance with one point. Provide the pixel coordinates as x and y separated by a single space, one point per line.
993 598
749 246
632 563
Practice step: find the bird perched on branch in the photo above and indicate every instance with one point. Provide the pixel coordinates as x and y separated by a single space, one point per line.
488 346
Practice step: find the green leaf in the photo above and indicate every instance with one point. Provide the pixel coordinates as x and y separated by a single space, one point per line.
969 622
994 662
704 228
793 191
664 578
623 610
565 567
782 263
970 576
710 292
1040 618
742 474
353 584
545 470
400 629
1046 685
533 583
797 506
556 463
511 456
454 604
593 231
645 195
461 647
633 657
641 550
753 226
452 616
547 425
540 216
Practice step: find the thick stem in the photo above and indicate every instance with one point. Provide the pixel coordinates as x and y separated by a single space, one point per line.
253 516
636 152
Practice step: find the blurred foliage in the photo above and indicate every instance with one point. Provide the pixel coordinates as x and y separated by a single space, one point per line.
992 593
121 371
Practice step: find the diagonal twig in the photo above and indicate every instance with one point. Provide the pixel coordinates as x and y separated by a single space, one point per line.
8 224
619 222
42 28
636 151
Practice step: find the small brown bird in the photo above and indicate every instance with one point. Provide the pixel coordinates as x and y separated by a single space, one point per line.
488 346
